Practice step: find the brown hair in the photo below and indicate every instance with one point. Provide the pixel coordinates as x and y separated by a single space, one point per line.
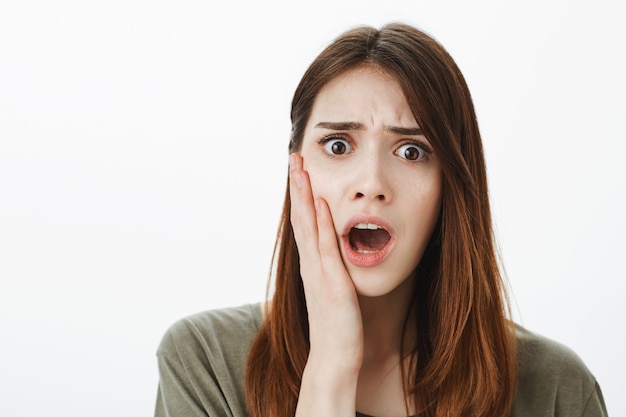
464 362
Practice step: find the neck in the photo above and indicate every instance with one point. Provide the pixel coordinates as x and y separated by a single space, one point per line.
381 389
383 320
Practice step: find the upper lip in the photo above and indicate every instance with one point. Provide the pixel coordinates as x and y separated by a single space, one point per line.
369 219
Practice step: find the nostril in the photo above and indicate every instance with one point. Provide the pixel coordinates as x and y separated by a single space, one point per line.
380 197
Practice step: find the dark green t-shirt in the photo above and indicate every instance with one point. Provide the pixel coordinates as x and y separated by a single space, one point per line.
202 360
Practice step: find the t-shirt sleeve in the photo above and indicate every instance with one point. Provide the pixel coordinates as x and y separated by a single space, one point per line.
595 406
187 387
201 362
554 381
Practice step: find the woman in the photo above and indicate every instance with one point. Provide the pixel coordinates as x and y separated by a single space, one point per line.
388 300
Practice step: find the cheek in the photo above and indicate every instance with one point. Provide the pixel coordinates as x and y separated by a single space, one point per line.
321 181
426 200
325 185
434 207
429 189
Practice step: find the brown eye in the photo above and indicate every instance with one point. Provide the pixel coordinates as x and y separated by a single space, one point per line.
411 152
337 147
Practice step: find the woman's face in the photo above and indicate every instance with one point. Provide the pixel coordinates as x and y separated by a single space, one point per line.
367 157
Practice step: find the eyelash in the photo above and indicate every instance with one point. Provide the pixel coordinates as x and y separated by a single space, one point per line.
326 139
419 144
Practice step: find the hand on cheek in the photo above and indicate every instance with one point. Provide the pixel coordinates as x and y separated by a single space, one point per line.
335 326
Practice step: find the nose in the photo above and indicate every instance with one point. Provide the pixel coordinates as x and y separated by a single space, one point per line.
372 182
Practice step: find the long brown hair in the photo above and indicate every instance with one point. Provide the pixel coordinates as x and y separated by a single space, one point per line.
464 361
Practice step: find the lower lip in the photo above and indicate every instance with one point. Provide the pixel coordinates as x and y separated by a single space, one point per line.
366 260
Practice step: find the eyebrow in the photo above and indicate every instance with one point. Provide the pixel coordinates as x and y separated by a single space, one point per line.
410 131
340 125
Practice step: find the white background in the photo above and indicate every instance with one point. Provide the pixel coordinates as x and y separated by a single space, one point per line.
143 164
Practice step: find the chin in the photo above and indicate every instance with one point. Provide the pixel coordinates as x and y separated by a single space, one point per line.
372 283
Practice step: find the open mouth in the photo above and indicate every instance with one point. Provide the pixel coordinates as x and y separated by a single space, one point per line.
368 238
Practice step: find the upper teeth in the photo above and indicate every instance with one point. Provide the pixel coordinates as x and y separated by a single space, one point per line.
370 226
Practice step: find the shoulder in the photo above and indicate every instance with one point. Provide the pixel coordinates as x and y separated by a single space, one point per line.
232 328
553 379
202 360
540 355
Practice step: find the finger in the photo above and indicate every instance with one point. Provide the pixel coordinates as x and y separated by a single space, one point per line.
295 161
328 246
303 216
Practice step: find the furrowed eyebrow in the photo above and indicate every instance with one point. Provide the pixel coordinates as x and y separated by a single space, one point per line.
340 125
406 131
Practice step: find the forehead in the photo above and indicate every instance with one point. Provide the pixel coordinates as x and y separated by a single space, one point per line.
361 92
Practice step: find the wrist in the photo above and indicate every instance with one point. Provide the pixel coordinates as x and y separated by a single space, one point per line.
327 388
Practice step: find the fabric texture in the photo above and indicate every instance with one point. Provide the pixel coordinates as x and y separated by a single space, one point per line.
202 360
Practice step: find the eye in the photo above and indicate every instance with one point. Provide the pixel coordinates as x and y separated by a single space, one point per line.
411 152
336 145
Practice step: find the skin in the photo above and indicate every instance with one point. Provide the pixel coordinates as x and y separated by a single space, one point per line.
375 164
